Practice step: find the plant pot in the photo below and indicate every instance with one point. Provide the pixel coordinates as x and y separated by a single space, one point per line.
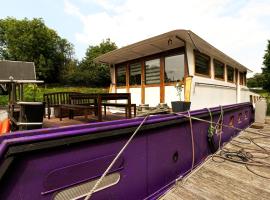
180 106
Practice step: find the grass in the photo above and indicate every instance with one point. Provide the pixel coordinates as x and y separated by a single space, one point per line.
34 93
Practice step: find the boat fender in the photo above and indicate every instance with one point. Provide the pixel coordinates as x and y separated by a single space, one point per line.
5 127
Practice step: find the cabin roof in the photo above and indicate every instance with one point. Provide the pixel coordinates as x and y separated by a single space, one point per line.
17 71
164 42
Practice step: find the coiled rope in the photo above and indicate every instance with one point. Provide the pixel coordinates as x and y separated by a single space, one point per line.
242 156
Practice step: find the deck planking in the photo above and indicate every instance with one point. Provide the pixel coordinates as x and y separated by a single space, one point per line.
55 122
227 180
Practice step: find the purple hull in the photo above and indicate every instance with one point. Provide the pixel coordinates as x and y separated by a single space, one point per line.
41 163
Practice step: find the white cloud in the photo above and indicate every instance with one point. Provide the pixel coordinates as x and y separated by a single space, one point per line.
239 29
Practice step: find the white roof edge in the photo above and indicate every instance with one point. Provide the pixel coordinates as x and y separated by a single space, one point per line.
186 35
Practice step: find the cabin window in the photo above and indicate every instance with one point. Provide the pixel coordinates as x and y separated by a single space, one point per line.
230 73
236 76
231 122
245 78
152 72
121 75
135 74
241 78
239 117
202 64
250 99
219 69
174 68
246 114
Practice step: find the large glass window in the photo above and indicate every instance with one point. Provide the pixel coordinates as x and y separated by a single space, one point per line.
230 73
202 64
152 71
236 75
241 78
121 75
174 68
135 74
219 69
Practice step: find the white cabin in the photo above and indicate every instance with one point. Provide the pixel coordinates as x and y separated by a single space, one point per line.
151 68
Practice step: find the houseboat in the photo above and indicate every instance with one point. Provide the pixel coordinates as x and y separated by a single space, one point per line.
150 70
143 157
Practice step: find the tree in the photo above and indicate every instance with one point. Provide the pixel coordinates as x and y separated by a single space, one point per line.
32 40
266 68
96 74
255 81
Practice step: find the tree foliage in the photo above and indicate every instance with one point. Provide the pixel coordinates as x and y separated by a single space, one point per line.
256 81
266 68
90 73
32 40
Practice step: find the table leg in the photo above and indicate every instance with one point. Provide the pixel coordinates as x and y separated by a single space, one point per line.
60 109
126 111
134 111
99 108
129 107
96 105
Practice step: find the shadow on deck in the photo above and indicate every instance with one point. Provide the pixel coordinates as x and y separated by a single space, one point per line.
55 122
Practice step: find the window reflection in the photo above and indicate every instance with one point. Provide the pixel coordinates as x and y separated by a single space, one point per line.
135 74
152 71
174 68
121 76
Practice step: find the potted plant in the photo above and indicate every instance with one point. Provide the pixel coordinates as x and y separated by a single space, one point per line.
180 106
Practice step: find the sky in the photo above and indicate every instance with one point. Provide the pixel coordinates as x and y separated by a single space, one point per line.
239 28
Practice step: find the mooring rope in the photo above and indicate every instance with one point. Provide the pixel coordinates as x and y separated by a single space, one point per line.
241 156
220 134
209 122
115 159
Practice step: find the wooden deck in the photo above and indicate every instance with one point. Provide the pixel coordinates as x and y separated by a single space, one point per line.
55 122
220 179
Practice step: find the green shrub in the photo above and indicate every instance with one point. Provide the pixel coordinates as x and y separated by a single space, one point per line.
33 92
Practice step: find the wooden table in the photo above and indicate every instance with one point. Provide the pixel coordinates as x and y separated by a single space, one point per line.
98 99
73 107
113 96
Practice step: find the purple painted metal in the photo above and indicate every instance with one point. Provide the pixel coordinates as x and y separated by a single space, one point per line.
149 166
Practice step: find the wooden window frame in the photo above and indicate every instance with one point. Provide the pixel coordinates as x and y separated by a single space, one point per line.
154 84
116 69
136 85
214 69
241 82
245 78
209 64
233 73
185 70
142 60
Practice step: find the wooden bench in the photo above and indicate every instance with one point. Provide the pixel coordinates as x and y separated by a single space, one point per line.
53 100
83 99
123 105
